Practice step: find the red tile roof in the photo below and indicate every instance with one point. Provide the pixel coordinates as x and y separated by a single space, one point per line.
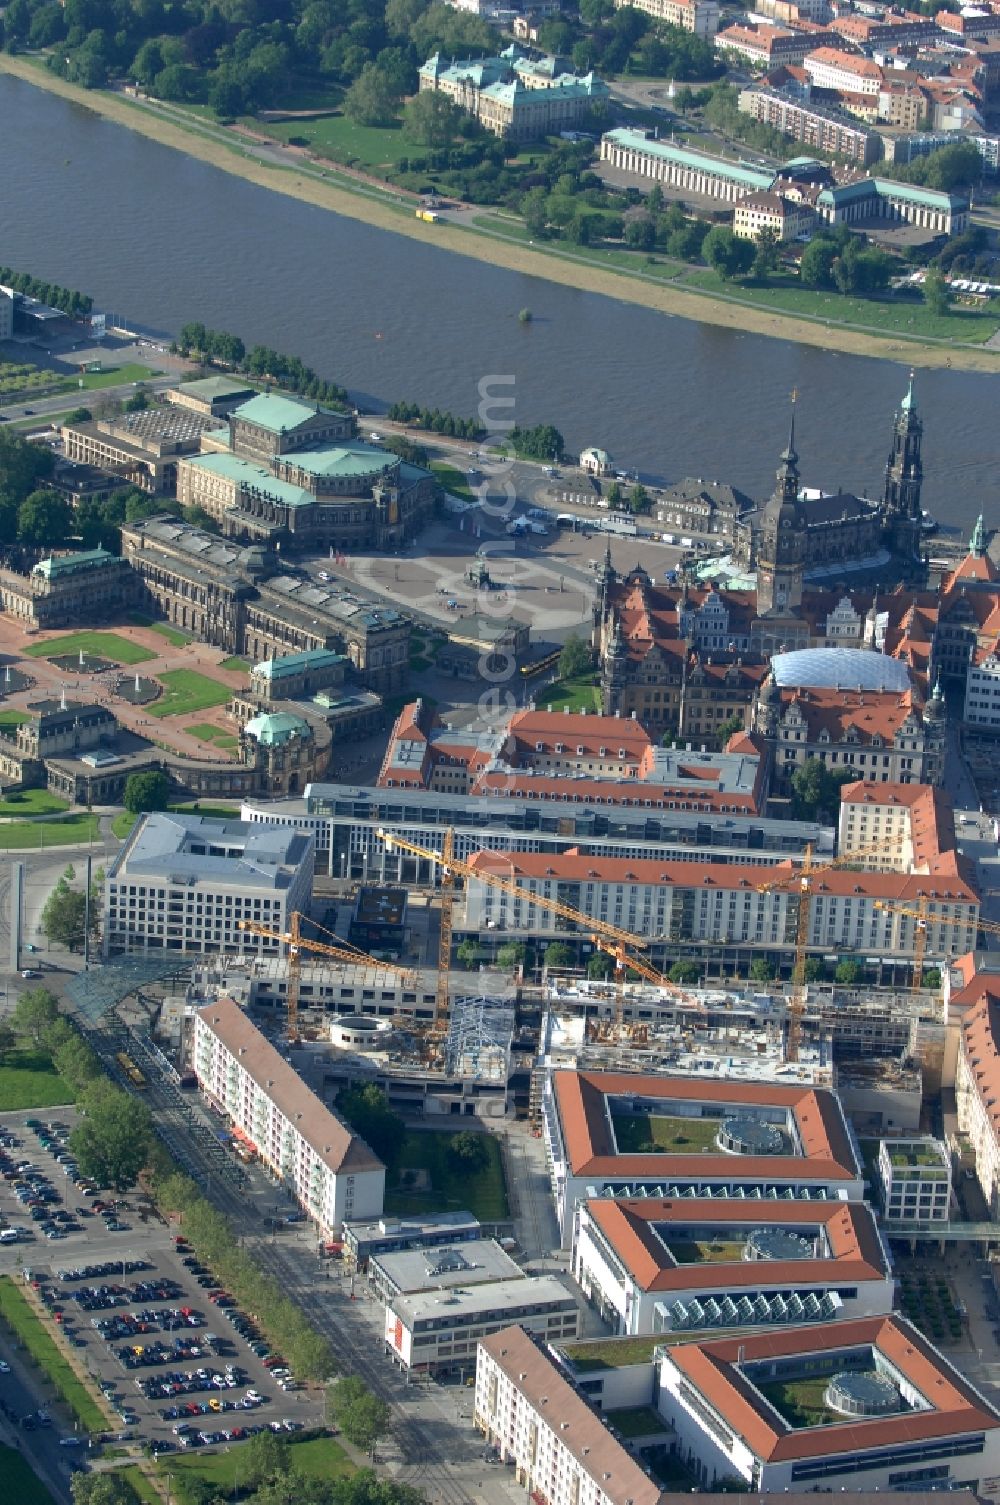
713 1367
582 1096
855 1247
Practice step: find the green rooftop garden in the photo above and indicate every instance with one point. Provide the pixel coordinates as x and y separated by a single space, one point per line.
642 1134
800 1402
707 1251
636 1421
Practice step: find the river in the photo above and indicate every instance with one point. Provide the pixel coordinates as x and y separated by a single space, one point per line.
158 238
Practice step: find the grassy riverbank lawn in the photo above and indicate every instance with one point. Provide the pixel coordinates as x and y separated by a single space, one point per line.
301 181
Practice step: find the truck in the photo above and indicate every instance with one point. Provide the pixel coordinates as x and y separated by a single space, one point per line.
430 215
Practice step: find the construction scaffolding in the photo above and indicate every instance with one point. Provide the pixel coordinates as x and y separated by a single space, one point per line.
478 1042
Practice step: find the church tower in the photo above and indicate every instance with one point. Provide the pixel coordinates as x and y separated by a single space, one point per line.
781 544
903 478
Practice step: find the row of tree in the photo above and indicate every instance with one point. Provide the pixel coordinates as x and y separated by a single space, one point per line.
281 1320
268 1475
434 421
77 305
260 363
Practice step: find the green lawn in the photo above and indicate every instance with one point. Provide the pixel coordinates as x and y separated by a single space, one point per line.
218 736
21 1318
187 690
100 644
173 635
339 139
452 480
701 1252
482 1193
800 1402
906 316
638 1134
115 376
580 694
67 830
319 1458
32 802
611 1353
123 823
17 1482
134 1476
236 665
13 718
28 1080
214 812
636 1421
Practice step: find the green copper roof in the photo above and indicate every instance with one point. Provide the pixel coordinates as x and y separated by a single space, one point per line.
751 177
909 401
275 413
66 564
977 543
294 663
342 460
272 729
246 473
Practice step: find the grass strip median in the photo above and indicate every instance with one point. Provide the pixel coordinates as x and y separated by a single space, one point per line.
29 1329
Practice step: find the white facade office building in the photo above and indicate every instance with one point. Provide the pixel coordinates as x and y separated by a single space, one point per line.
185 883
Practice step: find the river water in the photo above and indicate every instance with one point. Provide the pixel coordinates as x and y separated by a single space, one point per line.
158 238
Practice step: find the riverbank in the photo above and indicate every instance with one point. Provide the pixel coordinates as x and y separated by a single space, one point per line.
380 211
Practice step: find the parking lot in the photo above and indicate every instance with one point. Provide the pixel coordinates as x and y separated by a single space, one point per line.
176 1360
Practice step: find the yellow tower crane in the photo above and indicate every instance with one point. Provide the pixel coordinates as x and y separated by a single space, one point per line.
803 876
921 913
624 960
296 943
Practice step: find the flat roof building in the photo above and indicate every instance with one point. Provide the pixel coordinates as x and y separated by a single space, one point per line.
365 1240
670 1136
673 1264
475 1262
915 1176
324 1164
185 882
441 1330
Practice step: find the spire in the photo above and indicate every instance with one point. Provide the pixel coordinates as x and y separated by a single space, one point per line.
788 453
909 402
977 543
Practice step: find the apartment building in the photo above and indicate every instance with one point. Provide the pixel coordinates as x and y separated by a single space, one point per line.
977 1078
894 1414
724 914
561 1451
186 883
982 691
428 1330
907 827
750 1140
698 16
844 72
915 1177
662 1265
769 46
330 1171
813 126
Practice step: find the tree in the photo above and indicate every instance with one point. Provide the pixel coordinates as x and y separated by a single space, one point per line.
36 1011
847 972
816 788
371 99
640 233
559 954
146 791
467 954
761 970
112 1143
432 119
64 916
44 519
511 954
575 658
767 248
816 265
728 254
264 1457
614 497
600 967
361 1416
729 728
103 1489
813 970
639 499
366 1109
467 1151
76 1063
937 292
684 972
8 1040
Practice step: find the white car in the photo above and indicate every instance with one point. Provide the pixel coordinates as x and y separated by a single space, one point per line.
4 1367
